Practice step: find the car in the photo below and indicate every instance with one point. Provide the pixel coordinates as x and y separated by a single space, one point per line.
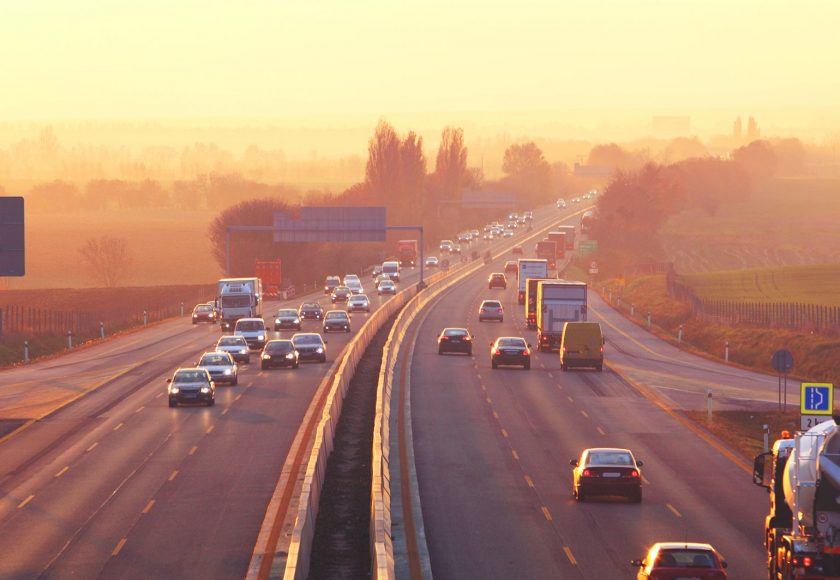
383 278
510 350
310 311
355 286
221 366
391 268
203 313
455 340
508 233
529 216
310 346
491 310
279 353
287 318
432 262
350 277
446 245
341 294
386 287
517 251
561 203
510 266
681 560
191 385
607 471
497 280
358 303
475 234
582 345
252 330
331 283
235 346
375 271
456 249
336 320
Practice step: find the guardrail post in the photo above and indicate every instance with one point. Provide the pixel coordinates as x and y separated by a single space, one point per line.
648 317
709 403
632 310
182 308
766 429
69 339
726 351
145 318
101 329
610 294
680 334
25 351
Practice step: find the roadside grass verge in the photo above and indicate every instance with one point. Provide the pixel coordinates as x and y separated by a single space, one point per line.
744 430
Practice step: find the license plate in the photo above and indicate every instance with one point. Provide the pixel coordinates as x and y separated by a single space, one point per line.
610 474
190 395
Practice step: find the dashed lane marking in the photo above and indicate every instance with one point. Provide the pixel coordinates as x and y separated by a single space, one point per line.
674 510
148 507
601 431
225 412
139 409
193 450
173 475
504 434
63 471
645 480
119 547
158 396
210 429
571 400
550 375
569 555
92 447
584 413
529 481
495 415
546 513
515 454
118 427
26 501
239 396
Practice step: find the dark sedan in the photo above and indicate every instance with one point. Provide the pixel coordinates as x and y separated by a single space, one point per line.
279 353
336 320
310 311
455 340
607 471
191 386
341 294
287 318
510 350
310 346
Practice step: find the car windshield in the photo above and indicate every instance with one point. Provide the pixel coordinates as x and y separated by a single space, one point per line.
279 346
610 458
190 377
342 290
236 301
333 280
684 559
248 325
287 313
342 315
204 308
232 341
214 359
454 332
307 339
512 342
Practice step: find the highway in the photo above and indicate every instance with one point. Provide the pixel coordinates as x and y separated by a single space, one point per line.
119 484
492 451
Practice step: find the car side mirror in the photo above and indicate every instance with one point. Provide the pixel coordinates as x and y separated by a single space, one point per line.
637 563
168 380
573 462
759 464
723 564
529 344
491 343
325 342
639 463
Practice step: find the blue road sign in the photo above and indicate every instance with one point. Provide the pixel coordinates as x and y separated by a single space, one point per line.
12 239
331 224
816 399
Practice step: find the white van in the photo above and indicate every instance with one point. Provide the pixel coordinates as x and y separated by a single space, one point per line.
392 270
252 330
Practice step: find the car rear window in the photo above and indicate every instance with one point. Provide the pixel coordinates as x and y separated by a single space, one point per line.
307 339
289 312
203 308
610 458
311 306
685 559
492 303
454 332
342 315
511 342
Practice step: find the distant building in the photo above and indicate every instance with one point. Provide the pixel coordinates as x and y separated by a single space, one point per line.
670 127
737 129
752 130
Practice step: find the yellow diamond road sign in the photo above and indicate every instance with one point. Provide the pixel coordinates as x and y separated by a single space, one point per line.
816 399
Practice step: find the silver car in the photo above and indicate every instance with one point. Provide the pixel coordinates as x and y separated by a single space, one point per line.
386 287
491 310
287 318
221 366
236 347
358 303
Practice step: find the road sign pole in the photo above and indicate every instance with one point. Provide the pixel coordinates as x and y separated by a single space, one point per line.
780 391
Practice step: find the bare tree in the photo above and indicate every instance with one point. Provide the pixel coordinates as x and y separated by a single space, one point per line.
382 173
108 259
451 162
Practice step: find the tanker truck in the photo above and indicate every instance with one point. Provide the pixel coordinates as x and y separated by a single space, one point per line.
802 530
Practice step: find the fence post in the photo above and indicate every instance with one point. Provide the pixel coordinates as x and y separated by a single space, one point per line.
182 309
648 318
101 329
632 310
69 339
680 334
145 318
709 403
726 351
25 351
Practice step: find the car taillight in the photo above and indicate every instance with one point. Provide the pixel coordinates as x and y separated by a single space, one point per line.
587 473
634 473
444 338
483 310
496 351
526 352
602 350
467 338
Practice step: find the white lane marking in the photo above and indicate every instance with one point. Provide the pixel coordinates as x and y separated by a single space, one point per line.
26 501
529 481
148 507
119 547
569 555
118 427
582 412
92 447
173 475
546 513
63 471
601 431
674 510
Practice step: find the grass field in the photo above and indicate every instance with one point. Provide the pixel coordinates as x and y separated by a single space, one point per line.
786 221
167 246
799 284
744 430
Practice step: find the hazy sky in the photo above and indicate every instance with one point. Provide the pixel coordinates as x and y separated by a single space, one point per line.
204 58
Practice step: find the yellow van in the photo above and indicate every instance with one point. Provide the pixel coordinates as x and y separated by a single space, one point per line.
582 345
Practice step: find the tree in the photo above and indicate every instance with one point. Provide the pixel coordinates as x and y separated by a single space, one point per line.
757 158
451 162
412 178
528 172
108 259
245 246
382 173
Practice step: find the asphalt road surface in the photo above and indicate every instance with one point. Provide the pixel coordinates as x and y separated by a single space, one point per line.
493 448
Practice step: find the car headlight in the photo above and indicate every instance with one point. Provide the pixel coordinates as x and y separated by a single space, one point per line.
228 371
174 390
277 321
290 356
297 320
195 315
319 350
205 390
266 356
243 351
261 337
